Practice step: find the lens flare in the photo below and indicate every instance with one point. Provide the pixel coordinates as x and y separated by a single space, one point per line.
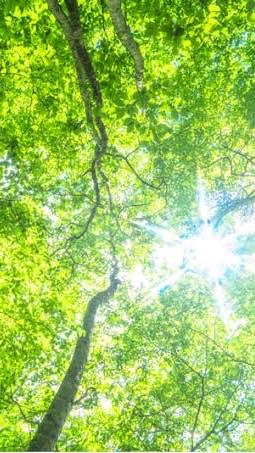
210 253
207 252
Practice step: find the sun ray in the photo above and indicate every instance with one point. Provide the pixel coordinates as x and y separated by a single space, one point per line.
202 203
168 282
208 252
223 309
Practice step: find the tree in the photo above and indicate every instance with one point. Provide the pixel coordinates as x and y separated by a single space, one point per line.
109 116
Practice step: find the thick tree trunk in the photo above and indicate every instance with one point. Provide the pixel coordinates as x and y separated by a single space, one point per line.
51 426
54 419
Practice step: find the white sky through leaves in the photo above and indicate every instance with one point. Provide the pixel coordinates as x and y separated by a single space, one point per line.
208 252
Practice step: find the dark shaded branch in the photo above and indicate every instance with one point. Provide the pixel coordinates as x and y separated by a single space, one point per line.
126 38
185 362
230 356
199 408
80 53
223 428
232 206
9 398
86 76
71 27
59 14
106 181
77 45
249 159
84 396
96 204
136 174
73 12
103 133
51 426
216 431
215 162
201 399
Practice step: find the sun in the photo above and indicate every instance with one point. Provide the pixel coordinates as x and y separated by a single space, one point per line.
208 252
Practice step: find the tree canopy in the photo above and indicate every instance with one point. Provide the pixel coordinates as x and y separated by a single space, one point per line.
118 121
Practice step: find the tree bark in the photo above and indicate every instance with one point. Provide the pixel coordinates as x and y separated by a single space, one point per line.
51 426
126 38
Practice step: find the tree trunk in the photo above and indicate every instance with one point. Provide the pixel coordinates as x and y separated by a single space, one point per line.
51 426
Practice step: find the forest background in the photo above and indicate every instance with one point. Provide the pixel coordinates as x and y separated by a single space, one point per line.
120 123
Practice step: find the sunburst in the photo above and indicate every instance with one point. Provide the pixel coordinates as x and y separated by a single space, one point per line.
209 252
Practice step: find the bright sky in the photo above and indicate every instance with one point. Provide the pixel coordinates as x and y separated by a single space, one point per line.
208 252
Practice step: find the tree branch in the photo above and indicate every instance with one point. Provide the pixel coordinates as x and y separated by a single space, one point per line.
71 27
136 174
126 38
232 206
59 14
96 204
198 411
213 430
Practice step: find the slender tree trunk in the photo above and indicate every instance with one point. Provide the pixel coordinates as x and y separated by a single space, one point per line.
126 37
51 426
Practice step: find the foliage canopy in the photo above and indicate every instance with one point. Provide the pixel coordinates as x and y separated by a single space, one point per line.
100 131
